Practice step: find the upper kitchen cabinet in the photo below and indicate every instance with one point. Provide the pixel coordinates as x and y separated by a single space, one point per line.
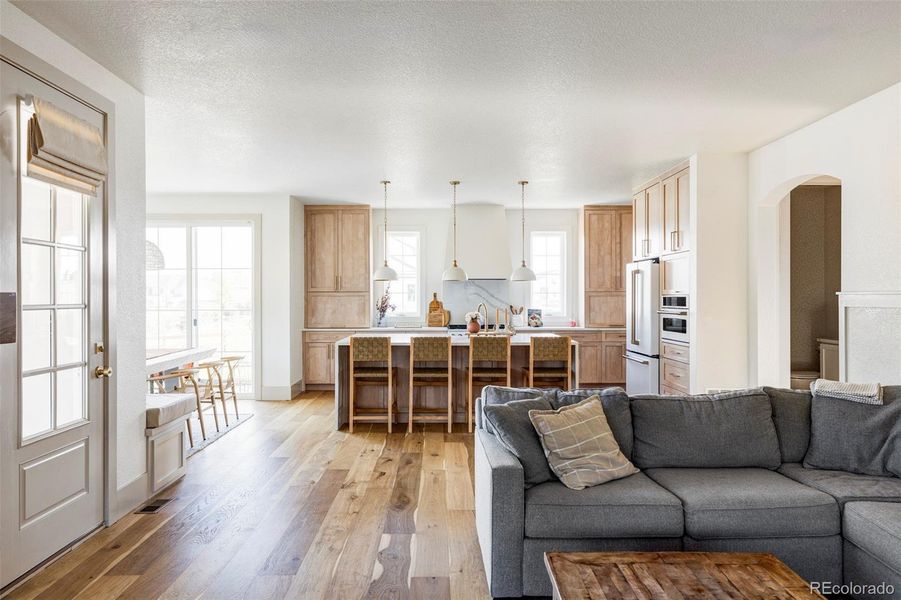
337 266
676 232
608 247
647 229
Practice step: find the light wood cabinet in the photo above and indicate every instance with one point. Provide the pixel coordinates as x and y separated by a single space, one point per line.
608 242
647 231
676 224
319 356
601 361
674 368
336 266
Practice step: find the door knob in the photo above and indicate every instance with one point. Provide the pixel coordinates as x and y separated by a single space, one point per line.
100 372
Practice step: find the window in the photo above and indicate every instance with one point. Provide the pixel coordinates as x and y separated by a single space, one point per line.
548 260
200 292
404 257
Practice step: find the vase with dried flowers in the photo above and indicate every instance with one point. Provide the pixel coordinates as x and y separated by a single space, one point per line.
384 305
473 324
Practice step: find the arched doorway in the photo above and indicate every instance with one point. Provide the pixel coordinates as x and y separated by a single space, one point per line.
797 256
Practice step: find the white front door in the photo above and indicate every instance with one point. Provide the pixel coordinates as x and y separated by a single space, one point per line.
51 401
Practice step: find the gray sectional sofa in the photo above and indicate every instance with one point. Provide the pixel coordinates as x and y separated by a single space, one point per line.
732 472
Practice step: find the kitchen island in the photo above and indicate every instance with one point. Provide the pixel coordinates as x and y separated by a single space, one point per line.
429 397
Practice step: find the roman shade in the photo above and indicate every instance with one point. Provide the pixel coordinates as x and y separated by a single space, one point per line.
64 150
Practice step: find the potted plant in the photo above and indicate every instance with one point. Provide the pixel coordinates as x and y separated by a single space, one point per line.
473 324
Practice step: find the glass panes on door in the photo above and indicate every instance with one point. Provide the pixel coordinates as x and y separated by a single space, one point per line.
53 255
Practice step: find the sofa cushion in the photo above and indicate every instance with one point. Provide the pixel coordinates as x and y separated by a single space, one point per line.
791 415
748 503
165 408
510 423
498 394
861 438
616 408
845 486
876 528
723 430
579 446
633 506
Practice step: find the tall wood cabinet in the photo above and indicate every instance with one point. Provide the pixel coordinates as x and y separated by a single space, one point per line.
336 266
675 212
661 209
608 244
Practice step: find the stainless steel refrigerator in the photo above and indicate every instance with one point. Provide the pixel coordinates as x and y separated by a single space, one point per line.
642 332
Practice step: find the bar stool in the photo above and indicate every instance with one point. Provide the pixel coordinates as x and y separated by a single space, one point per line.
370 365
229 387
491 350
545 357
212 388
430 352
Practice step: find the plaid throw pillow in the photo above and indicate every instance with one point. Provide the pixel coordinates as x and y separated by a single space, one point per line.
579 445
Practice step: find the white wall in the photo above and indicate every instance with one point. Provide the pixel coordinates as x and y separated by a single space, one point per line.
296 252
280 358
128 301
718 204
434 226
861 146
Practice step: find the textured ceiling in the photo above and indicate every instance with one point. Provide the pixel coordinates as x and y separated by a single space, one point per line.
322 100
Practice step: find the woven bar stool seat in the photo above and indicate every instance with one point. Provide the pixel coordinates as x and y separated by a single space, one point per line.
550 361
431 366
489 363
370 365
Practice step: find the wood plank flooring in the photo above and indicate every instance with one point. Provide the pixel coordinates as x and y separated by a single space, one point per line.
285 507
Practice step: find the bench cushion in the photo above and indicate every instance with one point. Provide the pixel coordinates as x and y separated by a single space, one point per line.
876 528
748 503
845 486
165 408
631 507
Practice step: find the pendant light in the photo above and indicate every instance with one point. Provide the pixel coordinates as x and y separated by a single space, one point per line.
454 272
385 273
522 272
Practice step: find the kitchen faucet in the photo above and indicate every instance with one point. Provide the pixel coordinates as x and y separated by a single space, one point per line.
479 310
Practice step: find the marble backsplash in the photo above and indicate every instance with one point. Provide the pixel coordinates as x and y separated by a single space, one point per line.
462 297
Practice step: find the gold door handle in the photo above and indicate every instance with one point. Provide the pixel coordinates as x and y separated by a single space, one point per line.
103 372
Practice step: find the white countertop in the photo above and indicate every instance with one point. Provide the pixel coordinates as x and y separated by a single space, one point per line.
441 330
403 339
164 360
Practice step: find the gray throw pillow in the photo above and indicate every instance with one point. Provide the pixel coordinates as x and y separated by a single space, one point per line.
511 424
855 437
498 394
791 414
734 429
616 408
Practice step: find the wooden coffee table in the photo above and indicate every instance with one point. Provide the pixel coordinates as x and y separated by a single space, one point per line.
665 575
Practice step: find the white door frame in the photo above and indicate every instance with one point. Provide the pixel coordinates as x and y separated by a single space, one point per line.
26 62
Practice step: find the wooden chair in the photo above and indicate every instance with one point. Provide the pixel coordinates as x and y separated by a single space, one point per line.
183 377
489 363
229 389
550 361
431 366
370 365
213 389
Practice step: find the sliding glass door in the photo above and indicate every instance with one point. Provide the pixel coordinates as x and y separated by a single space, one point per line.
202 291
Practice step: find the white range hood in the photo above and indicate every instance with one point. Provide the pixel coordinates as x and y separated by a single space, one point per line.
483 249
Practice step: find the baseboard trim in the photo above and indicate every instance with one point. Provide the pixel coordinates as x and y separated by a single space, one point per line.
296 388
132 495
275 392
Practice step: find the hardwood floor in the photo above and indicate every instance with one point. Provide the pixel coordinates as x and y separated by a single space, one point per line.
285 507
